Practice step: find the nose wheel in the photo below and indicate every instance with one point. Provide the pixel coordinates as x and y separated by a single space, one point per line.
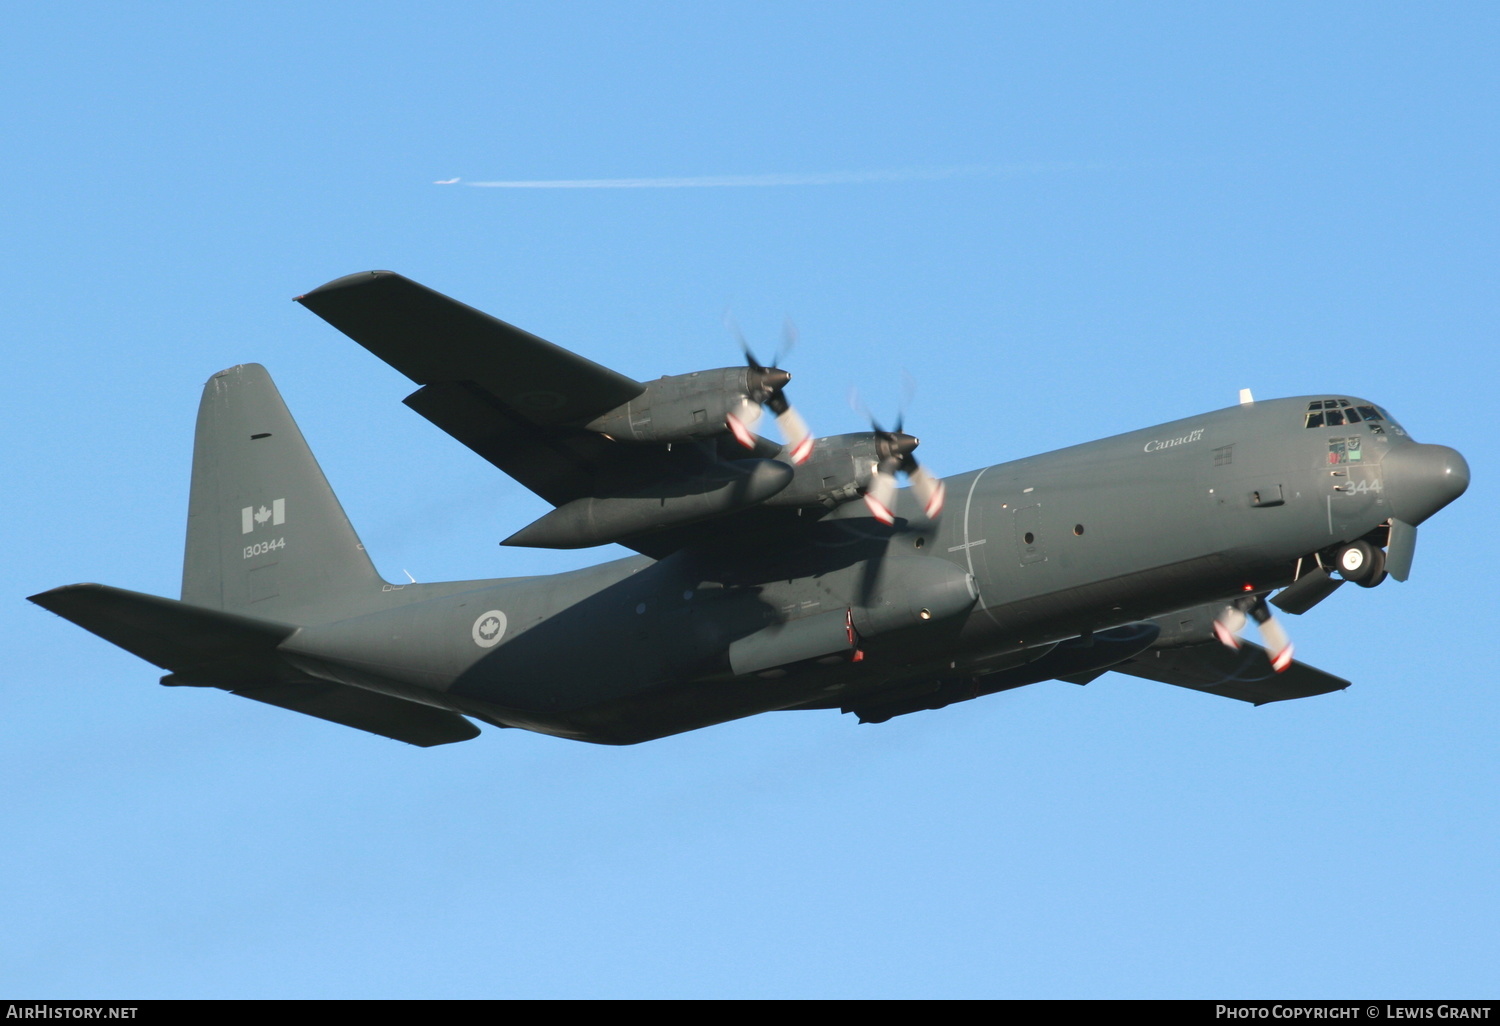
1361 563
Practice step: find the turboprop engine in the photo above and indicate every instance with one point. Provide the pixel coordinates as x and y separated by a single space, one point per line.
684 407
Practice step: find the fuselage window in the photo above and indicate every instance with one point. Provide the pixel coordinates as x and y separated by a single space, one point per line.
1333 418
1315 420
1345 450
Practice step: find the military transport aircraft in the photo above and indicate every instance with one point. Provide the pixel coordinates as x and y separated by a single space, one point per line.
769 576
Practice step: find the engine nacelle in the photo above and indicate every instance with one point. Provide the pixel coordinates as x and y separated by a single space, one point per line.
915 590
681 407
839 470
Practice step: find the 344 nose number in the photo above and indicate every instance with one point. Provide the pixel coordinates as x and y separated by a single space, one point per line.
261 548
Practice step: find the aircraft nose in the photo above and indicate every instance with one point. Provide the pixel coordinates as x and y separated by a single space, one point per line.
1422 479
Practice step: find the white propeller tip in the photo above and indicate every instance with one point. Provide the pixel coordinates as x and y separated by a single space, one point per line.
880 513
935 503
740 431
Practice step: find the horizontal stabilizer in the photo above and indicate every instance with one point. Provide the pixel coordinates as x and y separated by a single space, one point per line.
1245 674
174 635
238 654
395 718
433 339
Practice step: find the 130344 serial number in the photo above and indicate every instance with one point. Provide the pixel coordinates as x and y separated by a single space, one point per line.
261 548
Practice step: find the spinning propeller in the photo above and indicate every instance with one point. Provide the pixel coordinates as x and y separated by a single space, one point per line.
765 388
894 455
1231 621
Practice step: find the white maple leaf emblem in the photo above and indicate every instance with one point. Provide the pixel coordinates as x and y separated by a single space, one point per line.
262 515
489 627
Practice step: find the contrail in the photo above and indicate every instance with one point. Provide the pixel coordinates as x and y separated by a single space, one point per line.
751 181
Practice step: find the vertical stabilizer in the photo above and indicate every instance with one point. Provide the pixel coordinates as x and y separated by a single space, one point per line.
266 537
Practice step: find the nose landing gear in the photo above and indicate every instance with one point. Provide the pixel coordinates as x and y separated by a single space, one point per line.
1360 562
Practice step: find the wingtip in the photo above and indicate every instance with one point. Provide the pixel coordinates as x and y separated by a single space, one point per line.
347 281
54 597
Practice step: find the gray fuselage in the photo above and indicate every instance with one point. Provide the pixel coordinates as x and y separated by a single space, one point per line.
1054 546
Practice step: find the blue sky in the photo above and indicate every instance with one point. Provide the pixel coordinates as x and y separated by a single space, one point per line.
1174 201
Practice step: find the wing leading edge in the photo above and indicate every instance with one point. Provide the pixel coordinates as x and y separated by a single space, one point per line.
433 339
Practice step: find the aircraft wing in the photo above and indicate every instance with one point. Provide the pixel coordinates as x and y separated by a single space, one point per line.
518 400
559 463
433 340
1245 675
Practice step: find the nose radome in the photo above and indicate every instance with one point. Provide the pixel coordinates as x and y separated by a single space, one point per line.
1422 479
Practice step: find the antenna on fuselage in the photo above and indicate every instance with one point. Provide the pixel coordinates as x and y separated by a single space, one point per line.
1245 397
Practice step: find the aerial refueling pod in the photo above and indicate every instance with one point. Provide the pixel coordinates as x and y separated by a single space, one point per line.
726 487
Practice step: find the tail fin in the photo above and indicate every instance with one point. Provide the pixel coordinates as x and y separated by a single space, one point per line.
266 536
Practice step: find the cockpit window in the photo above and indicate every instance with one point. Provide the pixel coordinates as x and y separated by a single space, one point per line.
1336 412
1391 420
